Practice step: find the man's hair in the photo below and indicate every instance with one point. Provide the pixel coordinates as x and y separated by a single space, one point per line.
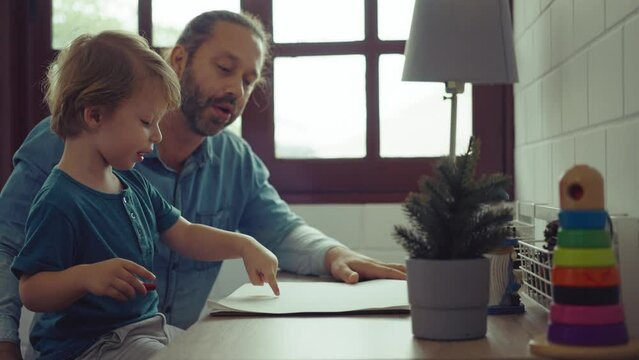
102 70
200 29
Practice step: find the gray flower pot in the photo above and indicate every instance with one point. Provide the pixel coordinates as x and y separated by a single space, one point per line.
448 298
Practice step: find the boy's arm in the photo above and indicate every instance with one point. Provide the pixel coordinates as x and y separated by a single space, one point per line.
9 351
205 243
49 291
52 290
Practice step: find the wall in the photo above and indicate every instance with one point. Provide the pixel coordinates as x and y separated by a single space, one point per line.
577 100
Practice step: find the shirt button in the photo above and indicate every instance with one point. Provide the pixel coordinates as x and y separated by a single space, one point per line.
124 200
132 215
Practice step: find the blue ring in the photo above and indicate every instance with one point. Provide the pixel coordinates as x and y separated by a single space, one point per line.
583 219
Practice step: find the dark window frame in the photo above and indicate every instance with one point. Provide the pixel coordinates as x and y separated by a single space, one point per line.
370 179
366 180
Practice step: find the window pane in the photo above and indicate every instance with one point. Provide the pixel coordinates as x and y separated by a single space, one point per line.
170 16
394 18
414 118
320 107
317 21
72 18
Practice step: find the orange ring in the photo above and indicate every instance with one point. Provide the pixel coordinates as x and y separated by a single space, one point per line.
586 277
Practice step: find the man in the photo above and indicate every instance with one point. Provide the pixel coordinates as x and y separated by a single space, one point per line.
210 174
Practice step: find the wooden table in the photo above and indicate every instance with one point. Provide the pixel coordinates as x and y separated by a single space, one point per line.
348 337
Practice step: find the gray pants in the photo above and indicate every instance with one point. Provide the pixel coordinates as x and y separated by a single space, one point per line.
136 341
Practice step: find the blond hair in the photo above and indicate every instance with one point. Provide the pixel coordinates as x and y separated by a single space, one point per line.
102 70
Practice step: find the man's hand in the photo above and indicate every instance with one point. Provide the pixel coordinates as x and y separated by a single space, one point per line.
350 267
9 351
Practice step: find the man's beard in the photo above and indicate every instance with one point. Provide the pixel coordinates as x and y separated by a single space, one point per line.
194 104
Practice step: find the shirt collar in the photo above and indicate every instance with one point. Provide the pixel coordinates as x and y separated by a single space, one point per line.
202 154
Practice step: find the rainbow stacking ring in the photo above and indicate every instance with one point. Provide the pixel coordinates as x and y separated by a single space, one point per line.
593 335
577 238
586 315
585 296
583 219
586 276
576 257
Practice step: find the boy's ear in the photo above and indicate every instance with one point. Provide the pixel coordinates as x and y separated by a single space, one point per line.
92 116
178 60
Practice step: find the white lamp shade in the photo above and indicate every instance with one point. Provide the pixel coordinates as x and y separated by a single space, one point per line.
461 40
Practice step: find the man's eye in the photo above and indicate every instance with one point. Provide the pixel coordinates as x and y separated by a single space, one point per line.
145 122
224 69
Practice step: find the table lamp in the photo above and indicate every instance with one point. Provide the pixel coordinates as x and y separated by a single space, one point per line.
458 42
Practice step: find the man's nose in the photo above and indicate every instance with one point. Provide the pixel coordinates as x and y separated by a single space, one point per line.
235 87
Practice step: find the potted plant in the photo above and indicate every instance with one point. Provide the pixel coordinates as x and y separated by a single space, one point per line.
454 219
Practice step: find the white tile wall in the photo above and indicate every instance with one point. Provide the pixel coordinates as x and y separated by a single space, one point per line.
366 228
543 183
563 155
551 98
589 20
631 66
561 30
605 78
533 112
578 101
541 45
590 149
574 90
616 10
622 166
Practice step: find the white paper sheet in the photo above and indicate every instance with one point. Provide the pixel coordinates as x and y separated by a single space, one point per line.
315 298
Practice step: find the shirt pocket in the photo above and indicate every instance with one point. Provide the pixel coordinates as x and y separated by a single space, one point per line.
218 219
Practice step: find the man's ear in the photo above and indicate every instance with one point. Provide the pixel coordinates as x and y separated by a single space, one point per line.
92 116
178 60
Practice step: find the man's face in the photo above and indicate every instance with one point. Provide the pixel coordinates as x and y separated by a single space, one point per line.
219 78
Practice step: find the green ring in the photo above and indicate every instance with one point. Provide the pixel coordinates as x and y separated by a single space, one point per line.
573 238
572 257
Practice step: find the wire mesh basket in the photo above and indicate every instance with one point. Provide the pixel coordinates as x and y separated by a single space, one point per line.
536 268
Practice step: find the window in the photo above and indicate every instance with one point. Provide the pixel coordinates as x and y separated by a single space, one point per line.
336 123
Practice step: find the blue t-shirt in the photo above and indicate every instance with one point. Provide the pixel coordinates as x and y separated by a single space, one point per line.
70 224
223 183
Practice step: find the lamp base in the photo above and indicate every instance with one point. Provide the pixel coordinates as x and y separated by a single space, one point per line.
454 87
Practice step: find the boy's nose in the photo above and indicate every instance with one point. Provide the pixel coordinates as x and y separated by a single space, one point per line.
156 136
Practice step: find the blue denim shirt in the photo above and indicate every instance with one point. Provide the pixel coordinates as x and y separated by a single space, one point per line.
222 184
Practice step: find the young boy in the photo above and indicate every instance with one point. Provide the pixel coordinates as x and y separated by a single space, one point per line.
92 228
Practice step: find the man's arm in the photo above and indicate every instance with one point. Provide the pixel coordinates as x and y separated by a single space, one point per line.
32 164
328 256
300 248
10 305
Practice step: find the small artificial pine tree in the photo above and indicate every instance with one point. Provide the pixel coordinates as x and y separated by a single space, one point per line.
454 215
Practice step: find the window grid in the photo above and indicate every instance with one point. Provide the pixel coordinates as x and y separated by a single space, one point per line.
371 179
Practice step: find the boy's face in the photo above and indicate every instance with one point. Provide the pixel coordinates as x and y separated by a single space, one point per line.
127 133
219 78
